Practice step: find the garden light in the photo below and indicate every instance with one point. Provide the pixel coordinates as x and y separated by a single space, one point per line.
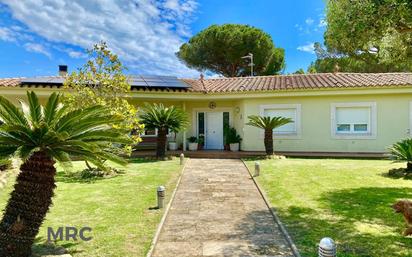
182 158
160 196
257 169
327 247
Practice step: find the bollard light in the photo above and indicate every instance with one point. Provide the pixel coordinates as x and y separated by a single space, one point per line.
182 159
161 197
257 169
327 247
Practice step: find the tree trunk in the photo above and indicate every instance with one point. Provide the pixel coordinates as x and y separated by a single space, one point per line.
161 142
269 141
409 167
88 165
27 206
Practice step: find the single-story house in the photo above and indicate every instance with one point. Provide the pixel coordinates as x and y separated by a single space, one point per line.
332 112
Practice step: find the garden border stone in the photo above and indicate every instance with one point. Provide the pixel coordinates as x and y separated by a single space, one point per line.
274 214
166 212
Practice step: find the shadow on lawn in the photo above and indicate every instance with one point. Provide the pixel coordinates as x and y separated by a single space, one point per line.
76 177
42 248
398 174
360 220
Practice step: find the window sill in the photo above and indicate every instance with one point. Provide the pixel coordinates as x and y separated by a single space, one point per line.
353 136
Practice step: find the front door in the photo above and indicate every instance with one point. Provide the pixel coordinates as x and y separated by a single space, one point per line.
214 130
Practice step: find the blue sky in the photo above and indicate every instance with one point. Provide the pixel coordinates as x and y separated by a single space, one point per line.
38 35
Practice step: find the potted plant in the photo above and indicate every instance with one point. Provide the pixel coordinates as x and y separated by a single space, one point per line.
233 139
172 143
193 143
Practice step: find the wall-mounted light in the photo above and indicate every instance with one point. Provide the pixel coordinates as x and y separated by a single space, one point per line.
237 109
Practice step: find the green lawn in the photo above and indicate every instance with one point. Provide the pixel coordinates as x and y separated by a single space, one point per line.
116 208
348 200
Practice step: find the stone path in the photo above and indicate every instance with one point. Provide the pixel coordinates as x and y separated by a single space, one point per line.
218 211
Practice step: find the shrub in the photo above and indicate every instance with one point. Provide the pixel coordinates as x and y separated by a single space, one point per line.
232 137
192 140
402 152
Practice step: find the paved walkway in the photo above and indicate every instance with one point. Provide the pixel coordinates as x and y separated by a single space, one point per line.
218 211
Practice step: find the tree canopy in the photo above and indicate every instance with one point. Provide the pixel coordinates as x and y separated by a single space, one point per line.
101 81
328 61
367 36
220 49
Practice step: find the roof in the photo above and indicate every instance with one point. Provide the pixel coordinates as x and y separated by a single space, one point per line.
303 81
258 83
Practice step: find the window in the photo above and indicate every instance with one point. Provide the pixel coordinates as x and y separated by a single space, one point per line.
150 132
153 133
201 123
354 120
291 111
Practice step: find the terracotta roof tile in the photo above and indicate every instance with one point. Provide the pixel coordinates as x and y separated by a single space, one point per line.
283 82
10 82
304 81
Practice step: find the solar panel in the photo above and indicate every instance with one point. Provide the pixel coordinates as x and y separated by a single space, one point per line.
43 80
157 82
135 81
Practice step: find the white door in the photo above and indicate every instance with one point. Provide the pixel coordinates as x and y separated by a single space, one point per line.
214 130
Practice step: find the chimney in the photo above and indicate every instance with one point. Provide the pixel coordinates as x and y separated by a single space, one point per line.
63 70
202 77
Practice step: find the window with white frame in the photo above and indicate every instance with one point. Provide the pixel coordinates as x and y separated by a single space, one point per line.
153 133
354 119
291 111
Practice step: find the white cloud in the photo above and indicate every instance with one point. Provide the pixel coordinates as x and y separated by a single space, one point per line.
144 33
37 48
309 48
7 34
309 21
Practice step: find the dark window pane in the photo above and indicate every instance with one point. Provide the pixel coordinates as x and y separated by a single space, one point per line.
150 132
343 127
226 119
201 121
360 127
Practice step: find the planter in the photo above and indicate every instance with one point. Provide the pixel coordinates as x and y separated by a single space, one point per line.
172 146
193 146
234 147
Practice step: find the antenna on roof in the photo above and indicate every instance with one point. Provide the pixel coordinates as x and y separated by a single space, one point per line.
251 64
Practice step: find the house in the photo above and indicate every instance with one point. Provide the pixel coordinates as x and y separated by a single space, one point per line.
332 112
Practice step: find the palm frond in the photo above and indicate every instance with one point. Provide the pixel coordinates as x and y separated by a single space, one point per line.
88 133
34 108
266 122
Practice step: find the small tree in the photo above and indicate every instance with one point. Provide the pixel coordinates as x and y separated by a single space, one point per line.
268 124
220 49
102 81
162 118
402 152
40 136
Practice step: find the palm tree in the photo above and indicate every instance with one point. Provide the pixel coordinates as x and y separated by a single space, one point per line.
40 136
402 152
268 124
162 118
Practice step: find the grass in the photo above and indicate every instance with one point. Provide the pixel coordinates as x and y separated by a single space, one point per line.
348 200
118 209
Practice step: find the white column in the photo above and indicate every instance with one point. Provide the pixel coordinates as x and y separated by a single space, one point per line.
184 132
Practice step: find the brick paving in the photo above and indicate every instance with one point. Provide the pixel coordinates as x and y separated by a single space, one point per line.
218 211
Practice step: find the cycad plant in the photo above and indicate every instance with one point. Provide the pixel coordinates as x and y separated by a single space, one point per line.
268 124
402 152
40 136
162 118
